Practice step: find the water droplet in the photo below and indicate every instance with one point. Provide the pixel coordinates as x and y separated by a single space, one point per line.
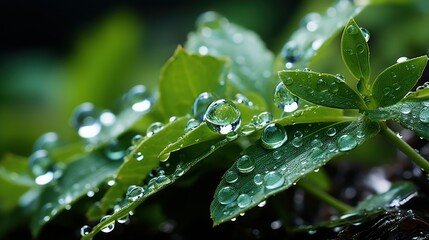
200 105
134 193
139 99
273 136
306 70
226 195
365 34
332 147
43 167
245 164
85 230
262 204
114 150
273 180
138 156
284 100
258 179
340 77
179 171
107 118
47 141
85 120
222 116
264 118
424 115
124 219
244 200
276 154
154 128
311 21
359 48
162 180
297 142
203 50
108 228
191 124
231 176
290 54
137 138
240 98
316 143
322 85
247 129
298 134
331 131
405 109
346 143
401 59
352 30
360 134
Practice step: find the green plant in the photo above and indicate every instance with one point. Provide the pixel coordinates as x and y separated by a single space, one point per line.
217 93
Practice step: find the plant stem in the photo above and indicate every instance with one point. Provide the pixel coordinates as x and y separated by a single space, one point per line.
404 147
324 197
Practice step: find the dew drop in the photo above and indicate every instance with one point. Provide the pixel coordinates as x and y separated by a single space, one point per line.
258 179
262 204
85 120
298 134
322 85
200 105
114 150
264 118
85 230
290 54
240 98
231 136
222 116
134 193
245 164
331 131
43 167
107 118
154 128
405 109
273 136
297 142
203 50
247 129
191 124
47 141
331 147
109 227
316 143
424 115
276 154
138 156
340 77
139 99
365 34
226 195
346 143
231 176
273 180
244 200
352 30
284 100
401 59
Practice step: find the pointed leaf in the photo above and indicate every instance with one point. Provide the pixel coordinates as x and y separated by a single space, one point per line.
396 81
276 170
318 30
251 62
322 89
185 76
355 52
81 176
411 113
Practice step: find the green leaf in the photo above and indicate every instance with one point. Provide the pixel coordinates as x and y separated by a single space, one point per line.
276 170
396 81
185 76
250 61
411 113
355 52
80 177
303 45
177 166
322 89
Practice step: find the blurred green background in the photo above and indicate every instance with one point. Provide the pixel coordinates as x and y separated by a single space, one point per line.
55 55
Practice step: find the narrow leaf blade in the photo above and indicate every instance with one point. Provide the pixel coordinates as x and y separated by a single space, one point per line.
322 89
355 52
396 81
273 174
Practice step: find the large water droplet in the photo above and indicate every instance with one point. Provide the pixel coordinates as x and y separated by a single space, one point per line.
405 109
108 228
244 200
231 176
222 116
114 150
401 59
42 167
226 195
85 230
85 120
154 128
273 136
346 143
284 100
139 99
200 105
424 115
191 124
365 34
134 193
273 180
245 164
